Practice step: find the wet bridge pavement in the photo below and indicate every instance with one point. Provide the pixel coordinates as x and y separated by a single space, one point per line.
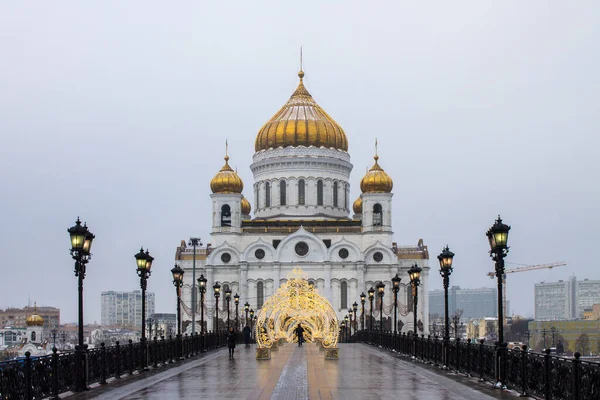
362 372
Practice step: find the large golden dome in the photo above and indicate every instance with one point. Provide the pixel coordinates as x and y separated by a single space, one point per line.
301 122
34 319
357 206
246 208
376 180
226 180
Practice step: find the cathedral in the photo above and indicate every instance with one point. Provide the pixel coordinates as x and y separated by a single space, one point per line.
300 217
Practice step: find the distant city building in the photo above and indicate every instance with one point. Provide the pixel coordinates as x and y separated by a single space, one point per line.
570 332
588 294
565 300
593 313
474 303
163 324
124 309
17 317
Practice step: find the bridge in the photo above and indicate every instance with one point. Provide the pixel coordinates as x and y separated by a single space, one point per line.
371 365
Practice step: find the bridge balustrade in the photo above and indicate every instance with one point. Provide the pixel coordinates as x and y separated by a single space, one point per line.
48 376
540 375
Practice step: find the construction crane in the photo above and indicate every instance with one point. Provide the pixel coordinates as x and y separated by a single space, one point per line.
521 269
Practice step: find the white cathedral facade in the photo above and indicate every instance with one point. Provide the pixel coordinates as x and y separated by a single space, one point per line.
302 219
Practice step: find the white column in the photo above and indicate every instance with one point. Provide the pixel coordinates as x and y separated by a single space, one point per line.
327 278
276 275
243 282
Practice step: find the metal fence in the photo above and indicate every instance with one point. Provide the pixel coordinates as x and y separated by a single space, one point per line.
532 374
48 376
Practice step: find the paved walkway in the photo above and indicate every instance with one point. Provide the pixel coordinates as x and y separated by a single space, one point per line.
361 373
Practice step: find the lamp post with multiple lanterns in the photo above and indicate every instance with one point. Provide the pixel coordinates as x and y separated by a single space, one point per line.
81 246
246 309
445 258
177 273
395 288
144 261
194 242
498 239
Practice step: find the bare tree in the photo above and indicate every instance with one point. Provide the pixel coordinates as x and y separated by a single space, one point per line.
582 344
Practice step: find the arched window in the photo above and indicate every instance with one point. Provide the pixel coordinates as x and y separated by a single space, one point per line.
335 194
260 294
319 192
409 298
344 295
267 194
377 218
223 290
225 215
282 192
33 336
301 192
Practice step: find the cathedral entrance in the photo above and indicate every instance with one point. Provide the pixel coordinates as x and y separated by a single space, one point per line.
296 302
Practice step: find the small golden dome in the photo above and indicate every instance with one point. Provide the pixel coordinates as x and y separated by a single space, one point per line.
301 122
357 206
35 319
376 180
226 180
246 208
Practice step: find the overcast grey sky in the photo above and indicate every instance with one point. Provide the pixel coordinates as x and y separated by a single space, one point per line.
118 112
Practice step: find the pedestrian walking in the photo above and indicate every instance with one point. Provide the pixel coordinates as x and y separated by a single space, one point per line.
231 336
300 334
247 332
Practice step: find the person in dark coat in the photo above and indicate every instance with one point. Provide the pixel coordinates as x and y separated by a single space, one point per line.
300 334
247 332
231 336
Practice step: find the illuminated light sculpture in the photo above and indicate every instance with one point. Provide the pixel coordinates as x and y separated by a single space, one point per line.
296 302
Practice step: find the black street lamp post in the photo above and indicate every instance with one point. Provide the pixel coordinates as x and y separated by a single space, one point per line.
395 288
252 322
217 292
236 301
81 245
371 293
351 321
144 263
345 325
227 299
178 283
246 309
380 293
363 300
415 279
202 288
354 310
194 242
445 258
498 238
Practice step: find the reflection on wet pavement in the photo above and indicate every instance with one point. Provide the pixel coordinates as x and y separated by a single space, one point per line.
362 372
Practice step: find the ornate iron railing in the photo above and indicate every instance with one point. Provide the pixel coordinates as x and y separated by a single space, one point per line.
540 375
50 375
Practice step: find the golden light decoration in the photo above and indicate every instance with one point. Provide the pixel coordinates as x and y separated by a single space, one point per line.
296 302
